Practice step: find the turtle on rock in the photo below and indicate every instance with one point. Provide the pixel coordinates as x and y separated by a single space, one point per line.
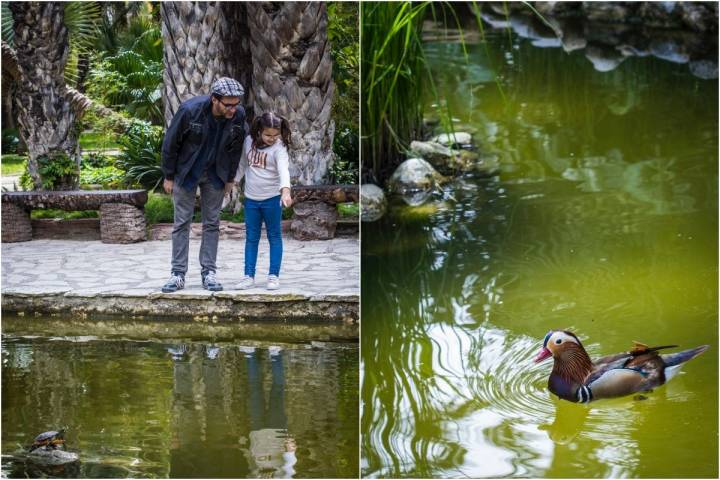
50 439
576 378
48 449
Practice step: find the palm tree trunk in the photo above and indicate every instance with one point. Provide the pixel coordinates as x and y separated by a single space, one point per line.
292 76
45 116
194 56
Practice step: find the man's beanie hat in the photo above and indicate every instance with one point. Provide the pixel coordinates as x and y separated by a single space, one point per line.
227 87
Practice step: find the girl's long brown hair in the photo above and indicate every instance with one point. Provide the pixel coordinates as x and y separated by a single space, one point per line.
270 120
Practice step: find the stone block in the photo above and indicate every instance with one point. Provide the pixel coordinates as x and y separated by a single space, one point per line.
16 226
314 220
121 223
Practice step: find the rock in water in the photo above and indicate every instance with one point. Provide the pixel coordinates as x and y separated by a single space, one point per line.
372 202
412 175
450 139
52 456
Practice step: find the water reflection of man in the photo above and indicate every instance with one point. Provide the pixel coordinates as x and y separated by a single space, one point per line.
272 450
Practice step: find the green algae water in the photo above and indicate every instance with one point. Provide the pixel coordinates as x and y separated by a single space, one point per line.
180 409
601 218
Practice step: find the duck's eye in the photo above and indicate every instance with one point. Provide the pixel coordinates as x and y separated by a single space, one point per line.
558 341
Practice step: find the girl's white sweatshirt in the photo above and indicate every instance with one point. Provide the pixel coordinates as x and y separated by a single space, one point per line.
266 170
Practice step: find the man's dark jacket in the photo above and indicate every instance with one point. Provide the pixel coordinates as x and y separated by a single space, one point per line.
187 133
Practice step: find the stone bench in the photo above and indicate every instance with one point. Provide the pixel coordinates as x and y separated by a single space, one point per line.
122 219
315 209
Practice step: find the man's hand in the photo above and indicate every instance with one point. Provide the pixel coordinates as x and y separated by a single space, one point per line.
228 187
285 197
168 185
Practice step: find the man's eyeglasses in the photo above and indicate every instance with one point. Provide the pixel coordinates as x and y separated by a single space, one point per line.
229 105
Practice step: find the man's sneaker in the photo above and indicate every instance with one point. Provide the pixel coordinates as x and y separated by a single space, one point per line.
273 282
176 282
210 282
246 282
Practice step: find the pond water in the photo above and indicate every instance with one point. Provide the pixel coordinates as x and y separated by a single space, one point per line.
181 409
601 219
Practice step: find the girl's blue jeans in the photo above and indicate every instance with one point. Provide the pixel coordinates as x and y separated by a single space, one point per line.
257 212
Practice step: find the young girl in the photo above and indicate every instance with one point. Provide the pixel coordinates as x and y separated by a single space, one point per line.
267 190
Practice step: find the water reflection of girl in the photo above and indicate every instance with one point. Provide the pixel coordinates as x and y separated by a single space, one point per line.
272 450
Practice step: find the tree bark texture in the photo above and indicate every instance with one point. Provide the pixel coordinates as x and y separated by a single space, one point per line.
193 50
292 76
45 115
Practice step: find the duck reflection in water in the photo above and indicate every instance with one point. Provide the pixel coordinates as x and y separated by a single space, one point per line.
569 421
271 453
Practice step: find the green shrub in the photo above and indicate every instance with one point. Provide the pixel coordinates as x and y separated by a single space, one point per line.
140 156
348 209
97 160
62 214
159 209
109 177
110 126
238 217
10 140
57 169
346 166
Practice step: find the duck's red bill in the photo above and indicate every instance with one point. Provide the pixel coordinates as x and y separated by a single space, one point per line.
542 355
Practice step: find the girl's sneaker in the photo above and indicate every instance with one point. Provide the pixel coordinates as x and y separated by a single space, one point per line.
246 282
273 282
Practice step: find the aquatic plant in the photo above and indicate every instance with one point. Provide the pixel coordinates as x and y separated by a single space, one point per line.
394 77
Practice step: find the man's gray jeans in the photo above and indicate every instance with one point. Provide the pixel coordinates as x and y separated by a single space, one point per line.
210 203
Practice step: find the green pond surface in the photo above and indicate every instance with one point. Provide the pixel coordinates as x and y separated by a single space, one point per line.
197 409
602 219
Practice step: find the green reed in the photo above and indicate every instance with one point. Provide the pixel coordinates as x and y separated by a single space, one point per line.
393 70
395 75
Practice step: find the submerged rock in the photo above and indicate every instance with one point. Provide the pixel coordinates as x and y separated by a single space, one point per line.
705 69
604 59
416 198
372 202
669 50
414 174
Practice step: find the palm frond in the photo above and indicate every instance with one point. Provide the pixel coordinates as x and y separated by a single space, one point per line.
8 32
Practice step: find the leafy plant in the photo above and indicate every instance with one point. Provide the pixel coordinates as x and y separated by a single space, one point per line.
394 77
343 31
96 160
107 176
238 217
159 209
345 168
57 170
348 209
10 140
129 77
62 214
141 154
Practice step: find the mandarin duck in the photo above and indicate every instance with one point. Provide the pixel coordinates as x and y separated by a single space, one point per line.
576 378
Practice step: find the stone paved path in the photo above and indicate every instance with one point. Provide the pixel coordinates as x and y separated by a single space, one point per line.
87 268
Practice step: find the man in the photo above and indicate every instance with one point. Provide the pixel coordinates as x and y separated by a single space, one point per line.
202 147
